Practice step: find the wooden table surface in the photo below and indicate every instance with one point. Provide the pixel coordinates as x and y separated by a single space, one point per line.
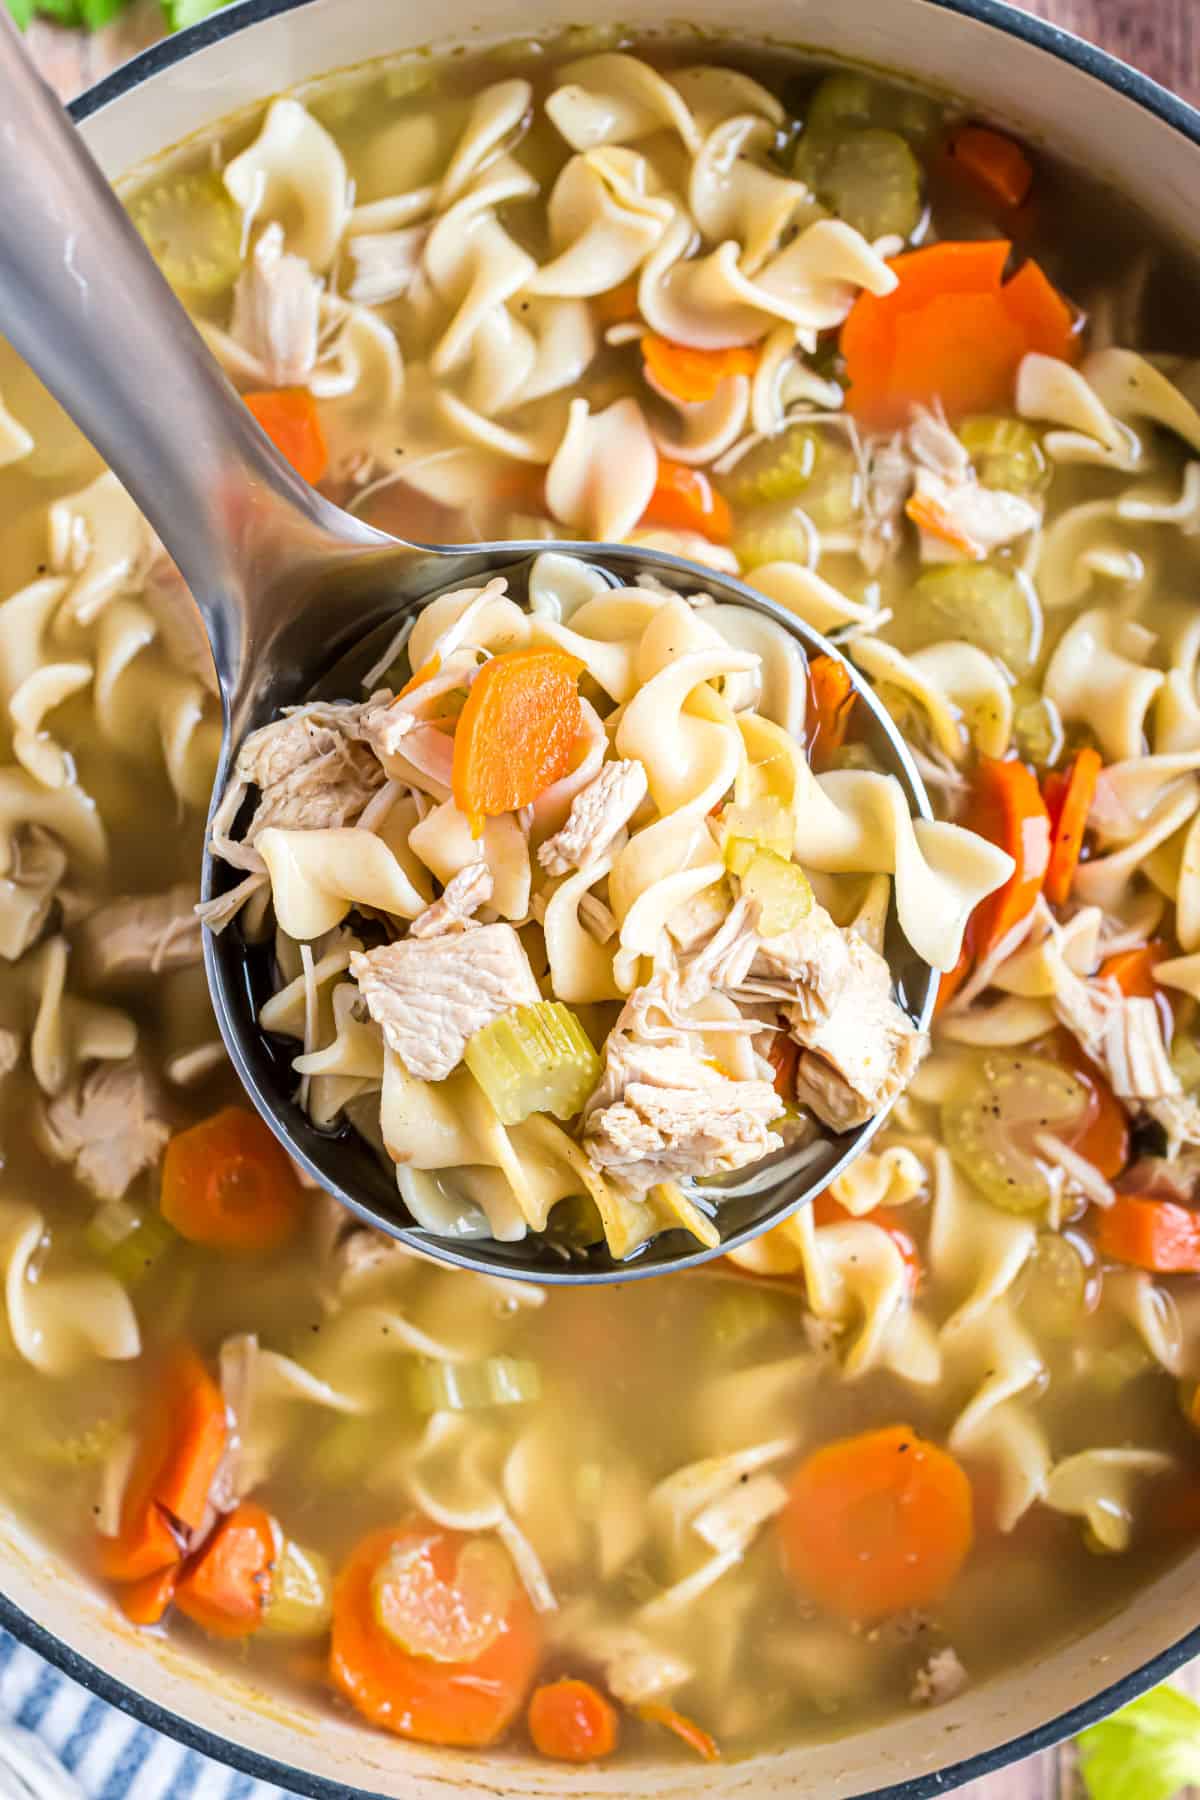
1161 37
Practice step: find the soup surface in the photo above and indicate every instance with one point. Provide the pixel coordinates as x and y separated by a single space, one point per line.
835 337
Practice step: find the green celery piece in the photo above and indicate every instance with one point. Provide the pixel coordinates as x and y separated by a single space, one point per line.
783 891
301 1596
1150 1750
470 1387
534 1059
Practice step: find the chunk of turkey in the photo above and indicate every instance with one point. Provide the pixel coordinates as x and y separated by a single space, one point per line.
30 889
986 518
599 812
661 1111
276 308
431 995
312 770
863 1052
142 934
464 894
111 1124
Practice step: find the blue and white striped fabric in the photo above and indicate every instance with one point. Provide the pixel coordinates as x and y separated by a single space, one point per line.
95 1751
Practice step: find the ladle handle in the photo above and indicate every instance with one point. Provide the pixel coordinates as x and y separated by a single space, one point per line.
84 303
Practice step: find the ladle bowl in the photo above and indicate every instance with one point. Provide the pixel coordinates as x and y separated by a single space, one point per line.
291 590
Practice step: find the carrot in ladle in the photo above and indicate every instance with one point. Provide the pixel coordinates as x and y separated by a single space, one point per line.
228 1184
831 699
571 1721
516 732
877 1524
1068 798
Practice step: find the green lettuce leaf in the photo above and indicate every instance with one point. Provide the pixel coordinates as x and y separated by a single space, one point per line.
92 14
1147 1751
181 13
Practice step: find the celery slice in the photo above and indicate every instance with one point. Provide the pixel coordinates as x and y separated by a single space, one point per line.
1052 1287
777 469
193 230
300 1603
1037 728
131 1248
870 179
1007 453
992 1116
741 1314
534 1059
984 605
847 101
765 824
783 892
471 1387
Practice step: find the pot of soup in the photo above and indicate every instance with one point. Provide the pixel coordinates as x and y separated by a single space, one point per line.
889 311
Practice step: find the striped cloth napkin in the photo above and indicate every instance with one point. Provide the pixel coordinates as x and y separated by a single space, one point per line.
58 1742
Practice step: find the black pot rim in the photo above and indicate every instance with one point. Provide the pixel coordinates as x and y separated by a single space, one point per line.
1180 117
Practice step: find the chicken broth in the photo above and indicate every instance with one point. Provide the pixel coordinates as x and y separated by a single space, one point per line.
943 1420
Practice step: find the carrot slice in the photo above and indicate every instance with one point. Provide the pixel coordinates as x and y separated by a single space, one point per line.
571 1721
617 305
428 669
180 1446
685 500
1008 809
290 419
1103 1136
784 1056
685 1729
693 375
953 979
951 330
470 1702
516 732
1048 322
876 1524
828 1211
831 699
1157 1235
1068 800
995 163
225 1589
146 1602
227 1184
1133 970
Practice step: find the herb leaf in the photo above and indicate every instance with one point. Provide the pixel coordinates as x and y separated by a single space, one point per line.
1147 1751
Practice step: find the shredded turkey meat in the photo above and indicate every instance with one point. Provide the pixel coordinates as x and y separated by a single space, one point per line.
111 1124
984 518
855 1061
385 264
142 934
462 898
1121 1033
599 813
430 995
942 1677
276 309
661 1111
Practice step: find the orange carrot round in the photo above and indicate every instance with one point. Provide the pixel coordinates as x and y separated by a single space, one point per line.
691 375
290 419
571 1721
1103 1136
516 732
1068 798
685 499
1157 1235
227 1184
1008 809
952 330
996 164
181 1441
468 1702
225 1589
147 1602
877 1524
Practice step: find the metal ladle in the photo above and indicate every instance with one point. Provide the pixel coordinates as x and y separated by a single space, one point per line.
291 587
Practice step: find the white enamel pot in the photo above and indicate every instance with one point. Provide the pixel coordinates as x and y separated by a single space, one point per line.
1052 89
